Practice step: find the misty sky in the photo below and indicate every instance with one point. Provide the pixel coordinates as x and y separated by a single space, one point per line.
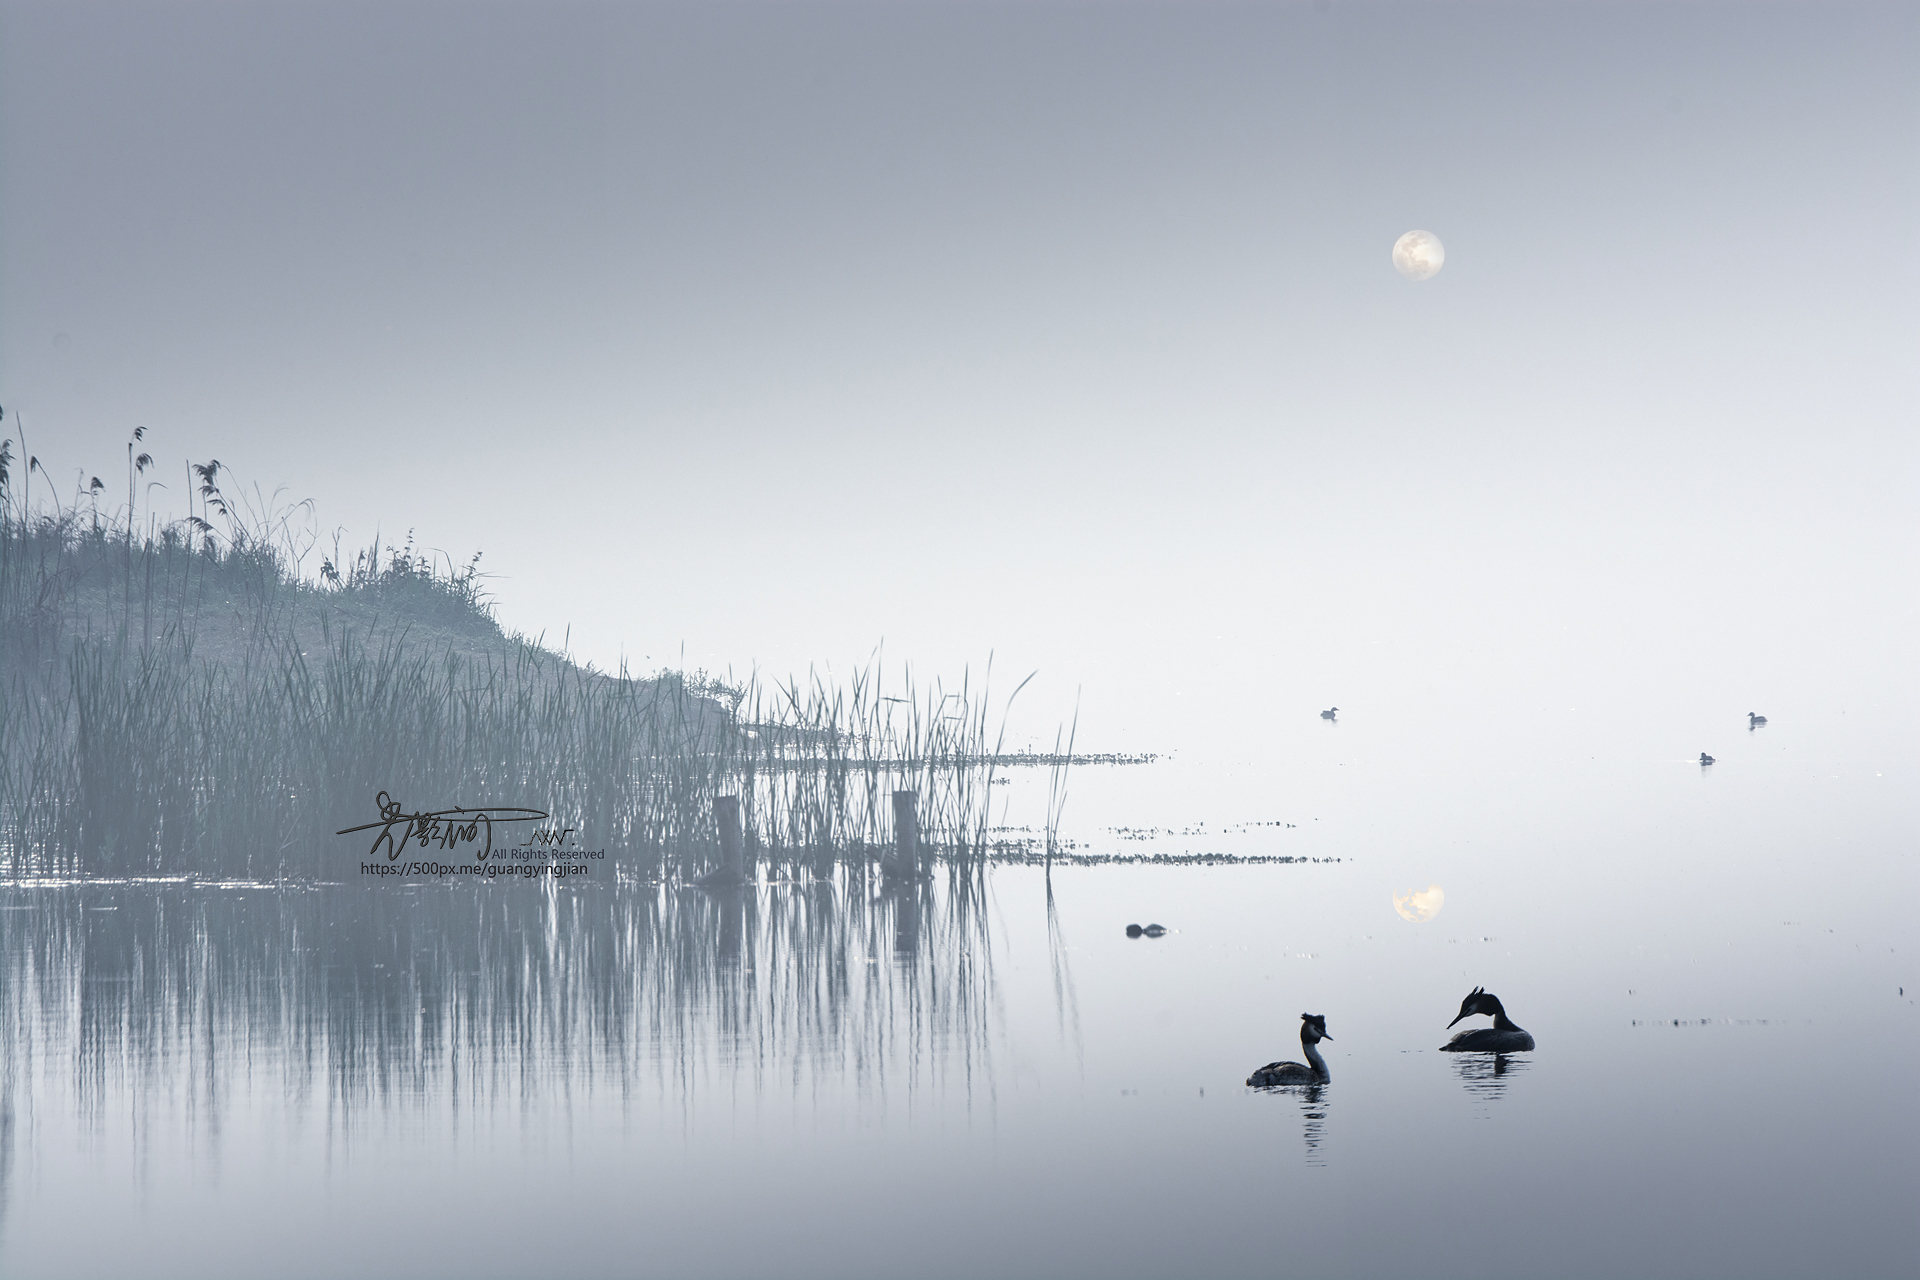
765 333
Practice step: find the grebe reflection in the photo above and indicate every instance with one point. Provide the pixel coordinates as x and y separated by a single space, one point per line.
1313 1122
1487 1075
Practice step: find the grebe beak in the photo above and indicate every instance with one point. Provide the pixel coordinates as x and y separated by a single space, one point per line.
1458 1016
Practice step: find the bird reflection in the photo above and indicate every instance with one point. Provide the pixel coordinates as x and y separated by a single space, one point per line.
1313 1122
1487 1075
1313 1117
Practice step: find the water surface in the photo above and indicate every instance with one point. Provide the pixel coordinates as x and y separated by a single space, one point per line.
991 1078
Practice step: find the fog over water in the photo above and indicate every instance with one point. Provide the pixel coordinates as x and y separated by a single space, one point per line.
759 335
751 337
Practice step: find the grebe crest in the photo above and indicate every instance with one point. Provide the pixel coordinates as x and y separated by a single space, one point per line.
1502 1037
1313 1029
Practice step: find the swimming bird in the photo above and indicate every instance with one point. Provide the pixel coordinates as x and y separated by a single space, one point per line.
1705 758
1328 713
1501 1037
1149 931
1755 720
1313 1029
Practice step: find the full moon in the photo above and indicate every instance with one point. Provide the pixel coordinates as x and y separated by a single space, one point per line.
1421 905
1419 255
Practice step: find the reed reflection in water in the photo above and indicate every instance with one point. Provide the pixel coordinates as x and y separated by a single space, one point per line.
168 1002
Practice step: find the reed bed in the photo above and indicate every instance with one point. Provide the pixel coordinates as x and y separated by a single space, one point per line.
182 699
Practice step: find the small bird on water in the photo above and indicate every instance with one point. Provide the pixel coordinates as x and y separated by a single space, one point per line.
1705 758
1755 720
1328 713
1313 1029
1502 1037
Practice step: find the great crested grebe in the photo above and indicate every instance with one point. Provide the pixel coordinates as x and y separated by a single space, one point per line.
1313 1029
1705 758
1501 1037
1755 719
1328 713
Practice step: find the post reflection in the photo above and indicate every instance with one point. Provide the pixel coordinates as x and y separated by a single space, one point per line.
906 904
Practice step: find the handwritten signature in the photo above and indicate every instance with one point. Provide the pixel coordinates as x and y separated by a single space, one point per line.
446 829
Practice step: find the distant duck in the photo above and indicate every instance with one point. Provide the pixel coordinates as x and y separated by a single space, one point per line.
1328 713
1501 1037
1755 720
1705 758
1146 931
1313 1029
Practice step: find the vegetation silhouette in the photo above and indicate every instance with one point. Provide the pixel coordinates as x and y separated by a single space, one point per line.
182 698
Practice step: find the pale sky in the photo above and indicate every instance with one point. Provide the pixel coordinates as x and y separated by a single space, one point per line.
1067 332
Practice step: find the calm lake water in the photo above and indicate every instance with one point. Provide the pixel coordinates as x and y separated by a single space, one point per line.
818 1080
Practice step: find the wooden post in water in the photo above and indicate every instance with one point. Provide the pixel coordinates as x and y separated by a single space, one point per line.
726 816
906 834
